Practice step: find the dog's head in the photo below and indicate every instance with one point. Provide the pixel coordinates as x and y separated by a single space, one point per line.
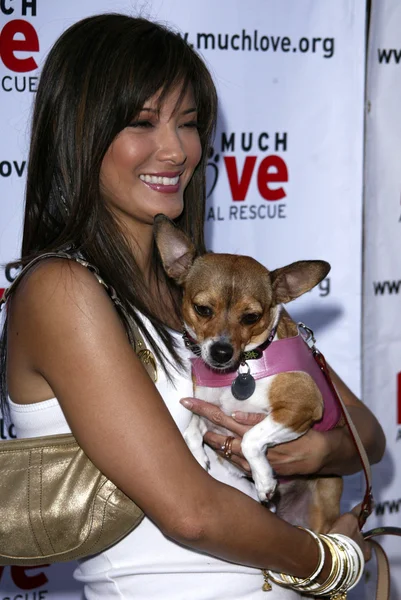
230 302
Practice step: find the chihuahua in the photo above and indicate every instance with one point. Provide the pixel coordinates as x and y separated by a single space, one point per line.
251 357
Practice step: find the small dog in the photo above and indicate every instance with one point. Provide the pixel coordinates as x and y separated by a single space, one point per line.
232 311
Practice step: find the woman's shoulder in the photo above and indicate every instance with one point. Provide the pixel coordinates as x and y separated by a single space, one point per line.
56 279
57 313
57 293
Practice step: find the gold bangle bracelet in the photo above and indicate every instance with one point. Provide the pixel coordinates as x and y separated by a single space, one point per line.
295 582
318 589
346 568
338 572
300 583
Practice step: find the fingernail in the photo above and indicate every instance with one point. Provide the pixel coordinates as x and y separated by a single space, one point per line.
187 403
237 416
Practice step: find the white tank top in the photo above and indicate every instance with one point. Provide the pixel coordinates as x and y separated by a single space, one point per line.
145 565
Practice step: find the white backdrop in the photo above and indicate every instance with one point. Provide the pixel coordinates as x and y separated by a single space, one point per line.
285 176
382 327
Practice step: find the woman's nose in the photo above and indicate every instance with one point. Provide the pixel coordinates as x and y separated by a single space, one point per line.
171 147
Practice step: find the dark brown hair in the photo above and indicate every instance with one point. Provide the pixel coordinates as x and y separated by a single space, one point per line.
95 80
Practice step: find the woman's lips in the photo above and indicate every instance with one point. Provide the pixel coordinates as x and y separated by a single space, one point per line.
167 183
166 189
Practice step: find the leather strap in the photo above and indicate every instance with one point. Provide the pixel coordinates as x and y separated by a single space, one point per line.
367 502
383 572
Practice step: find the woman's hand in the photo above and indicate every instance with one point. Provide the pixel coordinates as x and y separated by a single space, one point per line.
347 524
303 456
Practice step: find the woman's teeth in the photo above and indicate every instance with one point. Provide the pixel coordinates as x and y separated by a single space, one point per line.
160 180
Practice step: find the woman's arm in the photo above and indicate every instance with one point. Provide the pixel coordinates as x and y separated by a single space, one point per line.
332 452
341 456
72 337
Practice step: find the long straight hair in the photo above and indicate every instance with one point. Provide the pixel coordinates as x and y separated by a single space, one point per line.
95 80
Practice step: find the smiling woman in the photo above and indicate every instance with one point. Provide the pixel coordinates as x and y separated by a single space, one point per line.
121 130
149 164
94 136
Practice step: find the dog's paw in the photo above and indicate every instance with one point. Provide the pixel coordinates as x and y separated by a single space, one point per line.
265 488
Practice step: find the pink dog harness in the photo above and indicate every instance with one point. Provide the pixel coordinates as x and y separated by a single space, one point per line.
281 356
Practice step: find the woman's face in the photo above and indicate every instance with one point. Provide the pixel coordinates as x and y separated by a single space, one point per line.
149 163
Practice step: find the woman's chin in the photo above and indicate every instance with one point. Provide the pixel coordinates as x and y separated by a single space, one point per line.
171 210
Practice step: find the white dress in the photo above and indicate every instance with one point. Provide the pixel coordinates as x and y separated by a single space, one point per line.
146 565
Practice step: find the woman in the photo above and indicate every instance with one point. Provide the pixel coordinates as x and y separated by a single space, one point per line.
122 122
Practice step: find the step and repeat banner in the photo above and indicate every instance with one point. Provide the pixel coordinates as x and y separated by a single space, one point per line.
382 280
285 175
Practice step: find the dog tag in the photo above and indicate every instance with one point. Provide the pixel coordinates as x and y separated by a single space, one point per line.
243 386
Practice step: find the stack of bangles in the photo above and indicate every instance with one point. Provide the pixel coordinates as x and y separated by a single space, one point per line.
347 564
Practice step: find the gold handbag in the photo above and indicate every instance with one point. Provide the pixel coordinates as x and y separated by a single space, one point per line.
55 505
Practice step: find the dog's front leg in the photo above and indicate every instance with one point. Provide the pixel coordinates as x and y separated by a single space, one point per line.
254 445
193 436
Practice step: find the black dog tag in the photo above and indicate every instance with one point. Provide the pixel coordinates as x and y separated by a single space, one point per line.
243 386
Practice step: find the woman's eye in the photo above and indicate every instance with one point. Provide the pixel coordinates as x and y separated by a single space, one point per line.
250 318
191 125
203 311
137 124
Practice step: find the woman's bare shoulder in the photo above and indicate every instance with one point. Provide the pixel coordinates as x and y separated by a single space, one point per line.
60 300
56 279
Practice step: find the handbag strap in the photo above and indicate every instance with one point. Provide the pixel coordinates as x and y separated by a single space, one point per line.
367 502
383 567
145 355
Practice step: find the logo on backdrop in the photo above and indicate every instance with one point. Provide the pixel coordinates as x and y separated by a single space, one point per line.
12 167
389 56
19 46
391 507
257 181
258 41
7 430
23 580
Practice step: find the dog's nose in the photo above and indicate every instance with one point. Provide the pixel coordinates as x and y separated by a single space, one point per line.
221 352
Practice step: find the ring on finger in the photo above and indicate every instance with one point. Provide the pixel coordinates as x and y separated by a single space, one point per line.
227 447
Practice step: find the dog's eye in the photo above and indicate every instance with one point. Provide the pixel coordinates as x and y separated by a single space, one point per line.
203 311
250 318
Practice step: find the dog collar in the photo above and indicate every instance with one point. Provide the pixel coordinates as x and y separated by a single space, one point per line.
280 356
190 343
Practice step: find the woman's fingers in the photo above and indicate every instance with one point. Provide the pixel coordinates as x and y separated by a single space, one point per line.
214 415
217 442
249 419
347 524
304 455
241 463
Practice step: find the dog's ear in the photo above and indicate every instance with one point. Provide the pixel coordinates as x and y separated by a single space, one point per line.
297 278
175 248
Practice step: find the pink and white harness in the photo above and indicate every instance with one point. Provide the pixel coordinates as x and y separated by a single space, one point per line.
280 356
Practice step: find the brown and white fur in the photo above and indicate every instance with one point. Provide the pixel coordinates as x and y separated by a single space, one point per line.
230 303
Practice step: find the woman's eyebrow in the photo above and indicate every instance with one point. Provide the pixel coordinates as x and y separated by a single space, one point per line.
155 110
